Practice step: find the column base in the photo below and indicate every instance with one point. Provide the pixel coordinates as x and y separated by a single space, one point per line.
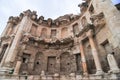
72 74
42 73
85 74
113 77
15 73
115 71
99 72
56 75
5 70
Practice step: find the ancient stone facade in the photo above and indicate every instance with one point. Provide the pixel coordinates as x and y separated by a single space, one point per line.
71 47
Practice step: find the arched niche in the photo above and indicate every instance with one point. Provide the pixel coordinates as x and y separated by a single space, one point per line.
65 63
39 63
75 29
64 32
34 30
43 33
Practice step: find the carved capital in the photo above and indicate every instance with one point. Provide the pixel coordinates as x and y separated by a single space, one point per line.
40 20
27 12
13 20
98 20
49 21
26 37
57 23
83 6
21 16
19 58
90 33
80 42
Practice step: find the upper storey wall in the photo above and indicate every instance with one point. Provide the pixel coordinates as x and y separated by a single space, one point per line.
61 32
64 26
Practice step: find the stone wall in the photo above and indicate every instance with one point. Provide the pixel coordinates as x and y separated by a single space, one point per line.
68 46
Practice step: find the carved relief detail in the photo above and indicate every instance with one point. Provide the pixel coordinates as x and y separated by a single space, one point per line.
98 20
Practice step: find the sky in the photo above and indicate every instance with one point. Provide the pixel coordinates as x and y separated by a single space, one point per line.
47 8
115 1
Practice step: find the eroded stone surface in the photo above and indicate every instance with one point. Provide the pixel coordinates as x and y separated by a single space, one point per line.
71 47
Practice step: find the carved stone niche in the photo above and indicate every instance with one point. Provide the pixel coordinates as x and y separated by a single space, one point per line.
64 21
98 20
40 20
25 38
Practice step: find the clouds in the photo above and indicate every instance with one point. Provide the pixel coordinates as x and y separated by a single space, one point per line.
47 8
115 1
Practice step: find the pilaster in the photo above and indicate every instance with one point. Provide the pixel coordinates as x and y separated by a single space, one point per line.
13 49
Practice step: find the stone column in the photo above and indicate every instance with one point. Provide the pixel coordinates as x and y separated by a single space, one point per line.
13 49
8 28
99 70
84 64
19 62
17 67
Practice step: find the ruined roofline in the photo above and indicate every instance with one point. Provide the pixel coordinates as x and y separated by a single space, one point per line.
62 20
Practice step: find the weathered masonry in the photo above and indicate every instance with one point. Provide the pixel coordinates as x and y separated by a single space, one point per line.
71 47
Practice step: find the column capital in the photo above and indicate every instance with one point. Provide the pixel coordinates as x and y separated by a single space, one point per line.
13 20
90 33
80 42
10 20
19 58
